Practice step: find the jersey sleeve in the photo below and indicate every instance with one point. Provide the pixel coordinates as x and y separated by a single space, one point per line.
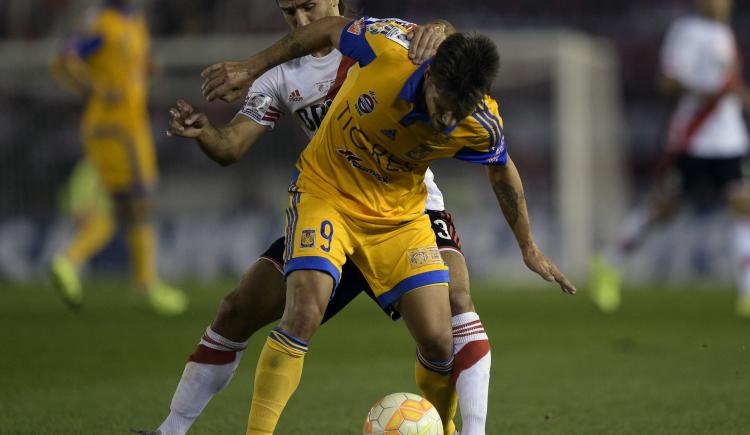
483 136
366 38
90 34
262 103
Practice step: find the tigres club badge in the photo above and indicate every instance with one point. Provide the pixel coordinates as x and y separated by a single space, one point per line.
307 239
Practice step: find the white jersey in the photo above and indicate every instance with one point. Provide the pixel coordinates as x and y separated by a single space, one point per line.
701 54
306 87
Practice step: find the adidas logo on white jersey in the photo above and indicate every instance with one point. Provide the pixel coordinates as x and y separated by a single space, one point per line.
295 96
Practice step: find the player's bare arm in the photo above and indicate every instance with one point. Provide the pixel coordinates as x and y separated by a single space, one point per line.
229 80
225 145
319 35
508 188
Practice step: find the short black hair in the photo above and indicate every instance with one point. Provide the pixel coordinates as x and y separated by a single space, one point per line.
464 68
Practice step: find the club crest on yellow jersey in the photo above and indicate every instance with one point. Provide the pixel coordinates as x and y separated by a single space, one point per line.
307 239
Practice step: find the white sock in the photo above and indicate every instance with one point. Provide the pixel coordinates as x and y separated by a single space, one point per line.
471 350
632 232
741 242
206 373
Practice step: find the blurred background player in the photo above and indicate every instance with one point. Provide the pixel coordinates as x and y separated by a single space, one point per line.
306 88
707 145
108 63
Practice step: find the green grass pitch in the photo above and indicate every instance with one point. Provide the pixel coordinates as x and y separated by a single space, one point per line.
669 363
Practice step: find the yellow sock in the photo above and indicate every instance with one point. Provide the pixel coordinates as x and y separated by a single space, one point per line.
438 387
142 245
277 376
95 231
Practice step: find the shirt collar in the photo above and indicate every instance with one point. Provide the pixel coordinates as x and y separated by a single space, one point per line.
412 92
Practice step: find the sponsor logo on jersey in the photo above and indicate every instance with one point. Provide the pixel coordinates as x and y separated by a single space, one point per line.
295 96
356 163
420 257
356 27
359 139
499 150
366 103
307 239
389 133
419 152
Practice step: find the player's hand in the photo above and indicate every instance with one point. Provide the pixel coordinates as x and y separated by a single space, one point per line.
227 81
539 263
186 122
425 41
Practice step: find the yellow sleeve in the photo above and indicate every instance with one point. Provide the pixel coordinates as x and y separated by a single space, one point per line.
366 38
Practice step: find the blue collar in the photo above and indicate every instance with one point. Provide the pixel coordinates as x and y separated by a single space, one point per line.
412 92
412 89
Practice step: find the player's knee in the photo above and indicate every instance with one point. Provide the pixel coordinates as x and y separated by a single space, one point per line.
437 346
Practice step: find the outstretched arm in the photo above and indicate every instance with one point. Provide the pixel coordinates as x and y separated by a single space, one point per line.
224 145
228 80
506 183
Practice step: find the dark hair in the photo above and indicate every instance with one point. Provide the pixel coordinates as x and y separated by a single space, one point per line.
464 68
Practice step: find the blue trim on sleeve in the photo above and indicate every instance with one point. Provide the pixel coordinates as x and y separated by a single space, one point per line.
498 156
321 264
85 47
427 278
485 124
355 45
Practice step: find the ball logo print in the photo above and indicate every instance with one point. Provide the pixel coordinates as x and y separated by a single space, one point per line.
403 414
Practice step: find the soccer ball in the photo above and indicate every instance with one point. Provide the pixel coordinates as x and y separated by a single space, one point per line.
403 414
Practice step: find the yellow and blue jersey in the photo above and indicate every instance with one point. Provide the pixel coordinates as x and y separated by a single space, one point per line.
115 47
372 150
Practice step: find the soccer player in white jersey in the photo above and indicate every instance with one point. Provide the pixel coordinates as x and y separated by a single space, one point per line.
304 88
707 144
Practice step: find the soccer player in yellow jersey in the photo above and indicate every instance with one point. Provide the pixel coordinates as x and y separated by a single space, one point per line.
109 64
360 192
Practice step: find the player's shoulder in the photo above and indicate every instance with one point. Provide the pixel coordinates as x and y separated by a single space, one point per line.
485 123
385 32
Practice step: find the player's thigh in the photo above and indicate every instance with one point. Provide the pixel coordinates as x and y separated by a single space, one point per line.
257 300
399 259
317 242
426 313
449 245
738 198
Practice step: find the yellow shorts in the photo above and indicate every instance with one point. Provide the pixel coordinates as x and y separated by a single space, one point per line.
393 260
124 158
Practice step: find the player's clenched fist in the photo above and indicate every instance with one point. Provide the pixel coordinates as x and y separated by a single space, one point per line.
186 122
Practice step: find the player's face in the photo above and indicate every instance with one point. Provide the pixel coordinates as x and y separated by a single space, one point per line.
442 113
720 10
298 13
